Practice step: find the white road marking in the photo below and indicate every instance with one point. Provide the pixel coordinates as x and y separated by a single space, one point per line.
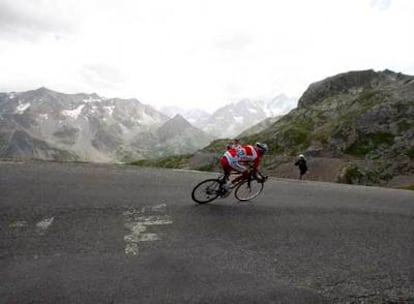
137 222
43 225
155 220
159 208
18 224
131 249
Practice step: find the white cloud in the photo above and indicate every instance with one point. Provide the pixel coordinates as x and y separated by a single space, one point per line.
186 52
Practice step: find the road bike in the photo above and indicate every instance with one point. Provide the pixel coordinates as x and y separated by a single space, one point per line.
244 190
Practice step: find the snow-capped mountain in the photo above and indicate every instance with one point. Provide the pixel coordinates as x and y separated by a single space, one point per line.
280 105
193 116
234 118
50 125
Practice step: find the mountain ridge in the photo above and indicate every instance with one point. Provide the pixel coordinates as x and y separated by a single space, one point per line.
88 127
234 118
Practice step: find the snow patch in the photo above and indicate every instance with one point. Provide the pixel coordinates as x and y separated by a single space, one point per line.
251 110
73 113
93 109
239 119
109 109
21 108
146 119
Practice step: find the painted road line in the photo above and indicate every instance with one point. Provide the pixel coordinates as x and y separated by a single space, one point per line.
18 224
43 225
137 222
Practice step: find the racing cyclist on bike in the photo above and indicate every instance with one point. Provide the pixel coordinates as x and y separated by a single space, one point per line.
235 159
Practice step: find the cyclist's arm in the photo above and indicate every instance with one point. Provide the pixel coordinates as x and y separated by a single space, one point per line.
256 165
256 172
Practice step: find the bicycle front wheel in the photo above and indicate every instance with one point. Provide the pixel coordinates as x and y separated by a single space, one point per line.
206 191
248 190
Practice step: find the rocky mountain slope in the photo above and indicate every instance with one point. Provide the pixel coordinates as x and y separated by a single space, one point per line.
257 128
44 124
355 127
177 136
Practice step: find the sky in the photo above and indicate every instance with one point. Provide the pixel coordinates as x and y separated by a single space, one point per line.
198 53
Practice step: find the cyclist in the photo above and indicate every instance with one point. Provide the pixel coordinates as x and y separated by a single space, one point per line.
237 157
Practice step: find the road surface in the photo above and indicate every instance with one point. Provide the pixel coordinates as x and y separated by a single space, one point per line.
90 233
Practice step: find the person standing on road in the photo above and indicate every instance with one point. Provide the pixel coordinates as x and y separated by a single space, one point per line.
301 163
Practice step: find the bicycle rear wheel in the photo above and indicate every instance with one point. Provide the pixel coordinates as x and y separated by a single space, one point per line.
248 190
206 191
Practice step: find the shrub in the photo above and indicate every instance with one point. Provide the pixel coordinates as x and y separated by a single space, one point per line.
410 153
370 142
175 161
295 139
352 174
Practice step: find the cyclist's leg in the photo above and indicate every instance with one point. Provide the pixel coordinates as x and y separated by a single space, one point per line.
236 166
226 168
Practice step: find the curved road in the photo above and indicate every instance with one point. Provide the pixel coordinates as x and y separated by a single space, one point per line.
87 233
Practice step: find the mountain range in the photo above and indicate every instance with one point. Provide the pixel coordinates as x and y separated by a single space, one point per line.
232 119
44 124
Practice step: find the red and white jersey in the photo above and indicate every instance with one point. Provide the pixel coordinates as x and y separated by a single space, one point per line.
242 154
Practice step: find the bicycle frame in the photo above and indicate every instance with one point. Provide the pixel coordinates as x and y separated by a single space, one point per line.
249 178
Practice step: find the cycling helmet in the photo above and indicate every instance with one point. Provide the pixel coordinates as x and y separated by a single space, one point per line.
301 156
262 146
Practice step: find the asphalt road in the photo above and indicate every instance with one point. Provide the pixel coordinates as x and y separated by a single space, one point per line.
84 233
